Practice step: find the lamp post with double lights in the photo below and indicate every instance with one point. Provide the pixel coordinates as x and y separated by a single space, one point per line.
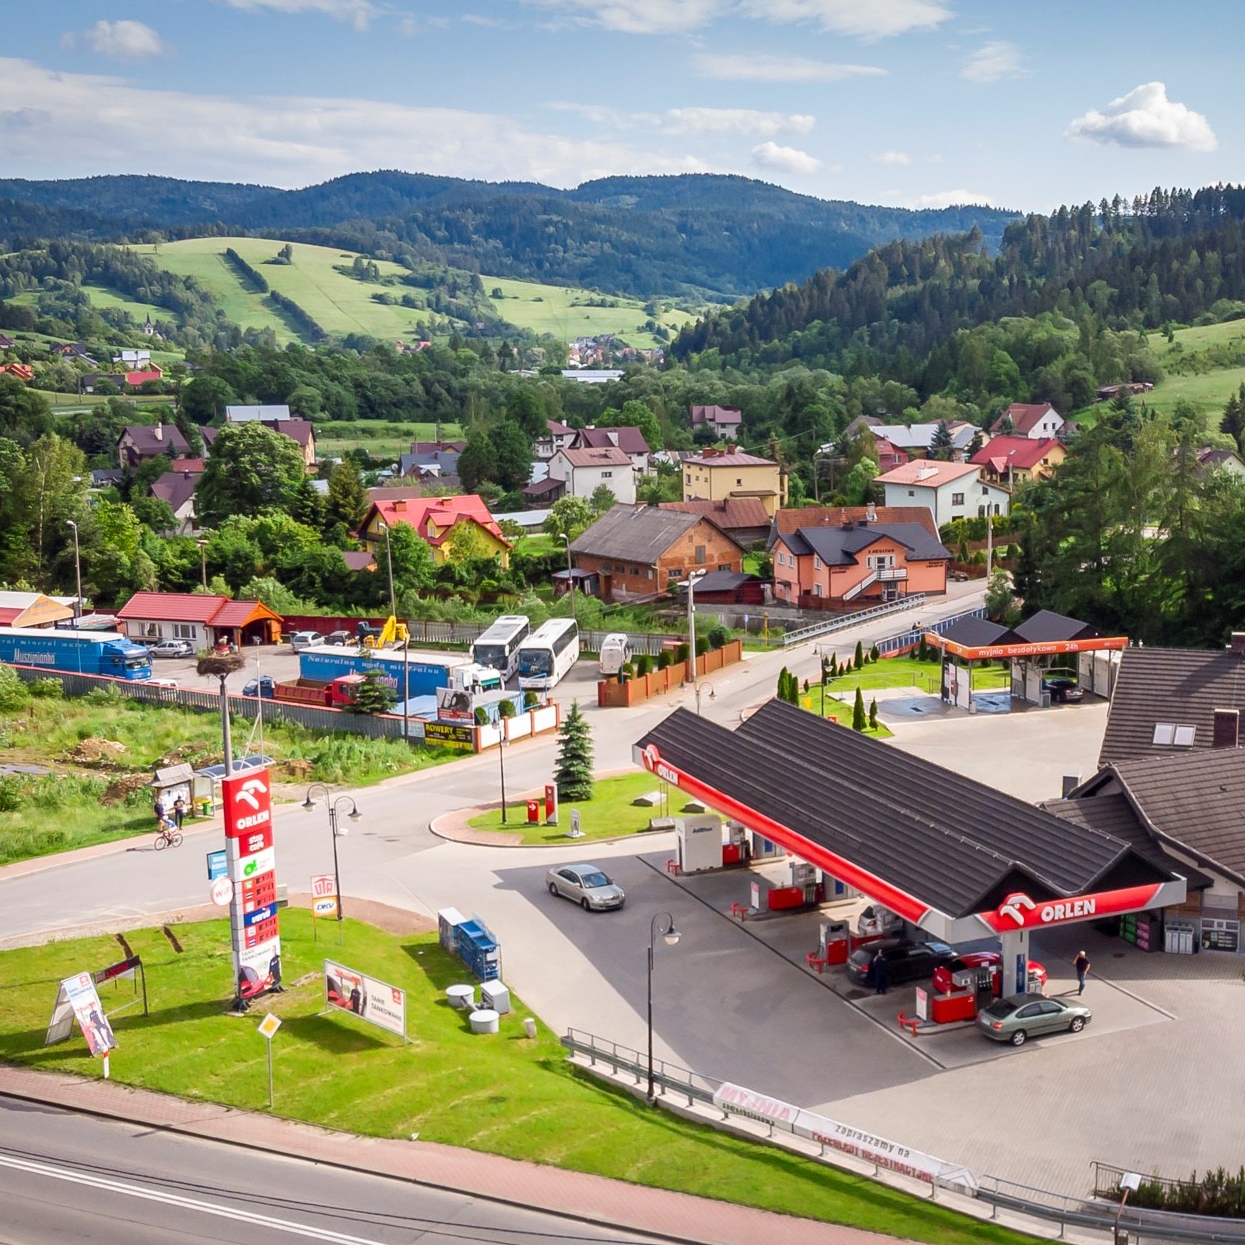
77 572
692 580
570 575
318 788
393 608
670 935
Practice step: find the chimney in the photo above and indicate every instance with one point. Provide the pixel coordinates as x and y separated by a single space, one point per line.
159 431
1070 784
1236 645
871 515
399 504
1227 732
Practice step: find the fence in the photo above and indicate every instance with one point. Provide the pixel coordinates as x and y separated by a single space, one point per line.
844 621
1089 1213
910 639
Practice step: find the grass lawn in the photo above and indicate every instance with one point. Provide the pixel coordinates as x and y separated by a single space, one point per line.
839 711
889 672
505 1094
96 793
1208 392
610 813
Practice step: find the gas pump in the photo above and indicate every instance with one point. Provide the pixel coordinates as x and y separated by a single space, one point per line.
804 876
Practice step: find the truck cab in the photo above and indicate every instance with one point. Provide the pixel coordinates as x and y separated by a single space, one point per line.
474 677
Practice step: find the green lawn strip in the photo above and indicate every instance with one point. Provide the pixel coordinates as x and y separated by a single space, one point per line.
504 1094
92 798
609 813
839 711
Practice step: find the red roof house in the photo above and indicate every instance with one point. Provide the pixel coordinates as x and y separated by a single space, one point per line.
1015 460
201 618
1036 420
435 520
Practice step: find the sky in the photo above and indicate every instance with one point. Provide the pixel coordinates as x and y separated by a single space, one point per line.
912 103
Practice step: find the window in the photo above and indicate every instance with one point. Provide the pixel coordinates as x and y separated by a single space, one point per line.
635 570
981 512
700 555
816 590
607 567
606 475
673 574
1173 735
183 631
738 483
957 499
911 493
650 572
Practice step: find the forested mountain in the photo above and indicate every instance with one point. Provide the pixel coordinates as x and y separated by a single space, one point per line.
1169 256
700 234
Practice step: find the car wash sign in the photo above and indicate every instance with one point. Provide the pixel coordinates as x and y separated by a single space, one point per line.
1019 911
252 870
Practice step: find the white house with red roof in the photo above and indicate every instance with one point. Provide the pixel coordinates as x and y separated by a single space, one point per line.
438 520
584 471
1035 420
202 618
950 490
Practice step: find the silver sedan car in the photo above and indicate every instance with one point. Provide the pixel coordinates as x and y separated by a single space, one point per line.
586 885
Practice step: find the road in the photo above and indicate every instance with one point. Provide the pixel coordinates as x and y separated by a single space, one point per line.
67 1177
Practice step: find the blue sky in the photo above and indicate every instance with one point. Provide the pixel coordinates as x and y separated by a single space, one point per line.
906 102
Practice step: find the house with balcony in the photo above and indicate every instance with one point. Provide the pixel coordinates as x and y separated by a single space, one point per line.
439 521
582 472
724 420
1013 461
858 562
950 490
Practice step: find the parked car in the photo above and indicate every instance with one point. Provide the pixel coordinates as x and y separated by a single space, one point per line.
172 648
971 961
301 640
342 637
265 686
585 885
1062 690
169 684
1020 1017
905 961
875 919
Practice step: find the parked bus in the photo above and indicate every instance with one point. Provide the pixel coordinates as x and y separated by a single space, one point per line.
499 645
548 653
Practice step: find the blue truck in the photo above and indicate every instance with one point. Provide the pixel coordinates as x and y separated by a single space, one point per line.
75 652
424 672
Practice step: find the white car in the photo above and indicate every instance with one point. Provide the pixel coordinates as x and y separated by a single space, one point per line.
876 919
301 640
172 648
586 885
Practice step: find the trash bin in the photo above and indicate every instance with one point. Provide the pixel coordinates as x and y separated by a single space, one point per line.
204 807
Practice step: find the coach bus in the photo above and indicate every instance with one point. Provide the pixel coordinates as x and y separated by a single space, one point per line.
548 653
498 646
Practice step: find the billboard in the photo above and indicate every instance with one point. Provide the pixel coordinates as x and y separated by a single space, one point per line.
78 998
346 990
251 861
450 735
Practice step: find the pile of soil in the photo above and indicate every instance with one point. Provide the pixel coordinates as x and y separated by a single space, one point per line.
121 787
96 751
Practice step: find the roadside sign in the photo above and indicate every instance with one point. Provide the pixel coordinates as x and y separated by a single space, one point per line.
269 1025
217 864
324 907
575 832
222 891
322 884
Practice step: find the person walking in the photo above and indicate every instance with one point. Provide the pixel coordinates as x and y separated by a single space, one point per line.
881 972
1082 966
179 812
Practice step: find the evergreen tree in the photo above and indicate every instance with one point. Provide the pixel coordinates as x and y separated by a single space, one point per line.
874 654
347 503
373 695
573 773
781 693
859 721
860 656
873 714
942 444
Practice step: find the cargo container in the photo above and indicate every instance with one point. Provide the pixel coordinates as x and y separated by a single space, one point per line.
425 672
75 652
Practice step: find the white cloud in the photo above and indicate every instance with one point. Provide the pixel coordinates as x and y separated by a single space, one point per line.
71 125
866 19
765 67
952 198
892 157
992 61
745 121
1145 117
785 159
359 13
121 41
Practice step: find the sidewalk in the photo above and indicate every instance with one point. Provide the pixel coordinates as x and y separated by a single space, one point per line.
591 1199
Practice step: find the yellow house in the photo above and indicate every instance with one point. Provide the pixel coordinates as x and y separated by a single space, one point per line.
439 521
717 475
1012 461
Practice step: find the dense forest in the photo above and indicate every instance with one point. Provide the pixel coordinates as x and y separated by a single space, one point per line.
697 234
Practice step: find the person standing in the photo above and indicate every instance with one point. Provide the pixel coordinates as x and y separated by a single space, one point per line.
1082 966
881 974
160 811
179 812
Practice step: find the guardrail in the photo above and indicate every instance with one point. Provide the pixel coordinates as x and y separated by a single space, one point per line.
908 639
842 621
666 1076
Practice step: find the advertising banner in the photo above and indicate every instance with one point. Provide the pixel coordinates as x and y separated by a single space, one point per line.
323 895
449 735
80 994
375 1001
842 1137
64 1010
252 862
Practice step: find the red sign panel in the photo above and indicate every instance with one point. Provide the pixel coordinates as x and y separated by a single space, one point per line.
265 931
1018 911
248 804
257 892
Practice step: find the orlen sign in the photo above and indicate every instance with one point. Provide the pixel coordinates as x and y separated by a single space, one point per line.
1018 911
248 803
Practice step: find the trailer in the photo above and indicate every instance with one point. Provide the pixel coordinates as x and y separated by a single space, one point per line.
105 653
423 672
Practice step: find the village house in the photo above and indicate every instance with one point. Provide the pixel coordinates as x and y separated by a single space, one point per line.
19 371
626 437
200 618
177 489
582 472
275 412
1011 461
1036 420
860 560
716 475
724 420
431 460
1228 461
950 490
139 442
558 436
643 550
743 519
912 440
439 521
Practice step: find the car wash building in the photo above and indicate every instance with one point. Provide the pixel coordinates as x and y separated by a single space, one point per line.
957 860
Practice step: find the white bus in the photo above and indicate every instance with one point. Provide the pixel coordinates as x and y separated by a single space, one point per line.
548 653
498 646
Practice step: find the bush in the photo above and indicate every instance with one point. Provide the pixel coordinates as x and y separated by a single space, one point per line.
481 716
664 659
874 654
873 714
46 689
684 651
506 709
718 636
530 699
859 720
13 692
643 664
859 661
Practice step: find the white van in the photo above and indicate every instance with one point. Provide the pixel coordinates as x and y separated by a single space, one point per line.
615 653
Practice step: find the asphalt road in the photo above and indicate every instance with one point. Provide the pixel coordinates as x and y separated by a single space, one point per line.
67 1177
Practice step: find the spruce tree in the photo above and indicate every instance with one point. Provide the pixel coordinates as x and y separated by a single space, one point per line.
874 654
781 693
873 714
858 712
373 695
860 656
573 774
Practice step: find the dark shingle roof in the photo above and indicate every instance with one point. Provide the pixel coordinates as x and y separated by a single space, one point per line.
1046 627
975 632
950 842
1180 686
838 546
635 533
629 439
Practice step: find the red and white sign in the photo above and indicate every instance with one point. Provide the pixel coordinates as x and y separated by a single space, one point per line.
248 802
222 892
323 885
551 803
252 880
1018 911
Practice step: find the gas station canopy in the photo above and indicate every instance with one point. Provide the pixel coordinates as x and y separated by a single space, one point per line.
952 856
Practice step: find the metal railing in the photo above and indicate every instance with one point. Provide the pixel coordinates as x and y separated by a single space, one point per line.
841 622
908 639
666 1076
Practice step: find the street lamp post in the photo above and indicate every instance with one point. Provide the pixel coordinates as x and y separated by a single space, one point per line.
670 935
202 561
692 580
77 572
570 578
393 609
501 762
308 804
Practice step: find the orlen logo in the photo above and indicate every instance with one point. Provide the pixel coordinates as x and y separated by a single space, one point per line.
1018 907
1013 904
247 792
655 765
